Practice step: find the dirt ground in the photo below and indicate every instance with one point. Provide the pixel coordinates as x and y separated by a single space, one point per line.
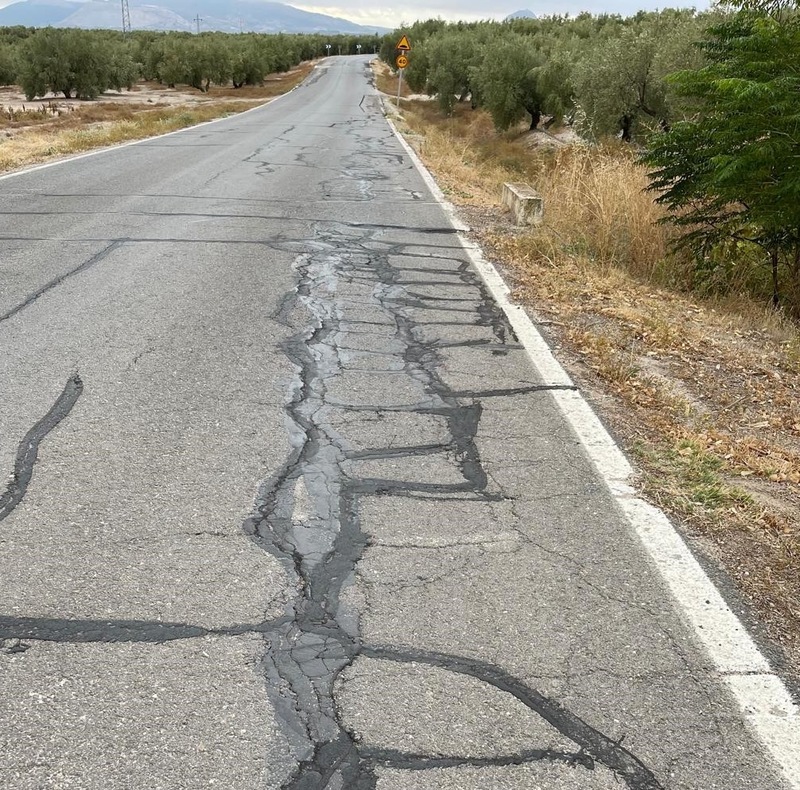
54 127
152 93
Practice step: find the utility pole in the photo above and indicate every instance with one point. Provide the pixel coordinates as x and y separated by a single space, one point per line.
198 20
126 17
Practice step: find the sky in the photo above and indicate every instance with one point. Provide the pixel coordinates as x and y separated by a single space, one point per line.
369 13
393 16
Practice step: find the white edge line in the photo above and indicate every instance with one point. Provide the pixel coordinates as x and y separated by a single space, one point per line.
119 146
763 698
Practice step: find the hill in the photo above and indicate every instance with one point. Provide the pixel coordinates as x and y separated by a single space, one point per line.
231 16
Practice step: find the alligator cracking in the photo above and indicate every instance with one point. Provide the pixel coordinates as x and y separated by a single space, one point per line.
307 514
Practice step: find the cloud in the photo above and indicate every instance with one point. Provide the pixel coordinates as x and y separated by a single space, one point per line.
469 10
473 10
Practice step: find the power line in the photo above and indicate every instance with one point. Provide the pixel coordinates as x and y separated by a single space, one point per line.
198 20
126 17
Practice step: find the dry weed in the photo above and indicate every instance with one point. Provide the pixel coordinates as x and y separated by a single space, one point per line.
386 80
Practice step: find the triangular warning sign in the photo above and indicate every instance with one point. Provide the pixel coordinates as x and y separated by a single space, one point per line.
404 44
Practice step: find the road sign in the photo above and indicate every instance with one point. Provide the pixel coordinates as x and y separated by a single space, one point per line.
402 61
404 45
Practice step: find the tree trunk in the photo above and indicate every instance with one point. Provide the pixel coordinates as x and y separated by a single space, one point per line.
536 116
626 122
776 296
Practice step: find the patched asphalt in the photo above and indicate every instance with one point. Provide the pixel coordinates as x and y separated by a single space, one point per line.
287 505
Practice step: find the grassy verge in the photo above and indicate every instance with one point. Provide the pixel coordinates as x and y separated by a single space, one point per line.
386 80
701 389
34 136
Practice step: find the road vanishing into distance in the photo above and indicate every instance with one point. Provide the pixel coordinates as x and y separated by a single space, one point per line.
285 504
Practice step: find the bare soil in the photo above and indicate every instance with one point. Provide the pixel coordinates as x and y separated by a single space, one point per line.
53 126
151 93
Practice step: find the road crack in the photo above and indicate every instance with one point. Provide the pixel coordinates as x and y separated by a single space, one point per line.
308 514
28 450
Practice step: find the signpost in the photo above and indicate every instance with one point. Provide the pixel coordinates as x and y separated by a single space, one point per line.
403 46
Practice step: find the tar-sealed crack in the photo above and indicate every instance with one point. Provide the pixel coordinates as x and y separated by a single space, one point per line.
28 450
308 513
87 264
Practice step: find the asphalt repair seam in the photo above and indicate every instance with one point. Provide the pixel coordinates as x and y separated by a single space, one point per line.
308 512
28 449
87 264
765 703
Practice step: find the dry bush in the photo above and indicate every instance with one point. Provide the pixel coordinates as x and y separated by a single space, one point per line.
386 80
470 161
598 209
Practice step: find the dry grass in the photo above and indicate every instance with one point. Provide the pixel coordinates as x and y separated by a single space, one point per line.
704 392
598 210
274 85
38 145
37 135
470 161
386 80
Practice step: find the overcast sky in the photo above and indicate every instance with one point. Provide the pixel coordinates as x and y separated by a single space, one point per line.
370 13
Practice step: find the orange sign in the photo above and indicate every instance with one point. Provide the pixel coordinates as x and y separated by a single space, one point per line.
404 45
402 61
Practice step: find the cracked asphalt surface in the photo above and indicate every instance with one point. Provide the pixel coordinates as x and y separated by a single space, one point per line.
287 506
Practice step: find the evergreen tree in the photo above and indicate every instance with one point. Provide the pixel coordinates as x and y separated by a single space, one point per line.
733 173
75 63
621 81
452 58
507 81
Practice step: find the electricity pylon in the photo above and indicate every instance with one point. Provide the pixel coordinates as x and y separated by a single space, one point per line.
126 17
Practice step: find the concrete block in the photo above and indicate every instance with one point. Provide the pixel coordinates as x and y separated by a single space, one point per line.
525 203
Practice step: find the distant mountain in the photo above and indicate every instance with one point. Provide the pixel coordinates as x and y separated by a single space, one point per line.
37 13
231 16
523 14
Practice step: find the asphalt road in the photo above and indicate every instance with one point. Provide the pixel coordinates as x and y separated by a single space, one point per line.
288 507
